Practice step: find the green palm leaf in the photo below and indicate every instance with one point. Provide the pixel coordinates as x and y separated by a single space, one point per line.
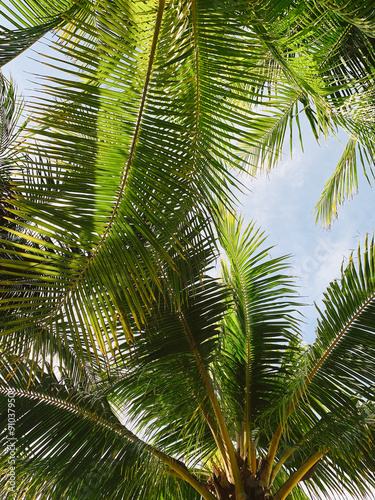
346 325
54 456
338 373
342 185
258 334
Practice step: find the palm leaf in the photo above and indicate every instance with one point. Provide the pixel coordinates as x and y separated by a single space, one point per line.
341 185
346 326
338 369
259 333
69 437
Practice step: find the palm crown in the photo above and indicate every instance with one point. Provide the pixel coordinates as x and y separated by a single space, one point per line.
113 202
220 390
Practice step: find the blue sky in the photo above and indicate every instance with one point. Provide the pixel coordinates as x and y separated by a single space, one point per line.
283 206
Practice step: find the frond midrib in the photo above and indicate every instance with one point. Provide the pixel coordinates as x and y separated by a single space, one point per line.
126 171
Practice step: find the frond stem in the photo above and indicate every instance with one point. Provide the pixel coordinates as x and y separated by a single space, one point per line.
216 435
127 168
280 429
227 442
177 466
281 462
287 487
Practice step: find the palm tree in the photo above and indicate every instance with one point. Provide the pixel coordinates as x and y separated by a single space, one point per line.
111 200
224 399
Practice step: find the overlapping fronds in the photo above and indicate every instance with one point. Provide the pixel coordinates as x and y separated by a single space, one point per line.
142 115
54 457
344 440
258 334
148 105
359 13
96 192
183 378
320 63
167 387
107 201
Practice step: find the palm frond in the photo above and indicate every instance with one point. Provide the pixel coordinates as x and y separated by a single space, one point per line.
260 331
341 185
68 437
345 330
338 368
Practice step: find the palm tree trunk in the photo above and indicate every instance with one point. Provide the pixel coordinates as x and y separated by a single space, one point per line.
223 489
